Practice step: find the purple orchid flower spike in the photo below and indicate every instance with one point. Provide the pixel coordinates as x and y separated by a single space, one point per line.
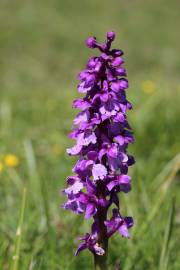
102 134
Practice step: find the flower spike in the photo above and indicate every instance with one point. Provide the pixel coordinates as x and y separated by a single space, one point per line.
102 134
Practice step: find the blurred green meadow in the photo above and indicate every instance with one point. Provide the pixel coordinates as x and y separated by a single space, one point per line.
41 51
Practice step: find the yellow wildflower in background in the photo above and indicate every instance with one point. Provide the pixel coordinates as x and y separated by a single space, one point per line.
11 160
1 166
148 87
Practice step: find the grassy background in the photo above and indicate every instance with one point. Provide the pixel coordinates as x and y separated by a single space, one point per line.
41 51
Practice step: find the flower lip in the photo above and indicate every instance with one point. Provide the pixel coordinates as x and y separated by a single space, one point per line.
99 172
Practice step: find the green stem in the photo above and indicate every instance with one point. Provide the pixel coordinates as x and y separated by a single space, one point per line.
100 262
16 255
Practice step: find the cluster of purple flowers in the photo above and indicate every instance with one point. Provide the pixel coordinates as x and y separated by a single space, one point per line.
102 135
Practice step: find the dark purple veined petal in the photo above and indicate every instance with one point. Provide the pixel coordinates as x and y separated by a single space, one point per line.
72 179
119 117
75 188
112 184
87 137
74 205
80 248
90 210
90 186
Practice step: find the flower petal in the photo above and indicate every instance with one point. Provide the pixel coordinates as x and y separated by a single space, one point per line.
99 171
90 210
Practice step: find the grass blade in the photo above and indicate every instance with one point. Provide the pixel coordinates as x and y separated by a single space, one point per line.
37 182
45 199
168 171
31 162
18 239
167 236
163 190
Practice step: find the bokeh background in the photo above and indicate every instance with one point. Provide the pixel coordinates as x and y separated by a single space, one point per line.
41 52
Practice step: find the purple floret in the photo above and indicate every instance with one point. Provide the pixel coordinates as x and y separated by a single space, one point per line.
102 134
118 223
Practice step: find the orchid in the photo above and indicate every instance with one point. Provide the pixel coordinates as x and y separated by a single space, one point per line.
102 134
